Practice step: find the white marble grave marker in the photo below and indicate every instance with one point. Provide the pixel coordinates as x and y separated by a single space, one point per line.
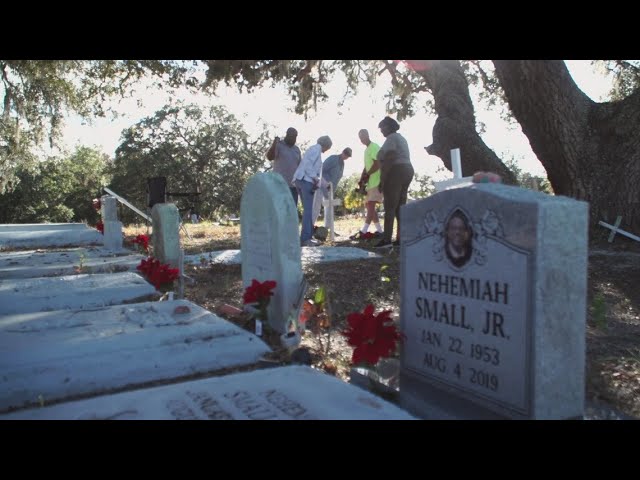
166 237
112 227
270 242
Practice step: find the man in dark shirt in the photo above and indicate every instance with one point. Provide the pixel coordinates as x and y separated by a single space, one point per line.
332 170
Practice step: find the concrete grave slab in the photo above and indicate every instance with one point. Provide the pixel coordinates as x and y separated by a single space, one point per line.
47 238
286 393
75 292
54 355
30 227
47 263
310 255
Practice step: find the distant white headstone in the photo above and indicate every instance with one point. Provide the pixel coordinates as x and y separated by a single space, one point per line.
270 242
113 236
112 227
493 282
166 236
108 208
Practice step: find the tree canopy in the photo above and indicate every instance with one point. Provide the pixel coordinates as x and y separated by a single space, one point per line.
60 190
590 150
38 94
197 149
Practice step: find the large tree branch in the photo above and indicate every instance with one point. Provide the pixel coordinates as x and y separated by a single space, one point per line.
590 150
552 111
455 126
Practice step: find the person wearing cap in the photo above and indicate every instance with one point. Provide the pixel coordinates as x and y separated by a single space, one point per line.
395 177
286 157
332 170
307 179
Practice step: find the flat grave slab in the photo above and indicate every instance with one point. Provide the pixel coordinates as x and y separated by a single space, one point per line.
310 255
284 393
72 292
48 238
28 227
48 263
48 356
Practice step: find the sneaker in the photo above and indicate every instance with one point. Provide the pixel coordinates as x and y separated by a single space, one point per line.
377 235
356 236
383 244
309 243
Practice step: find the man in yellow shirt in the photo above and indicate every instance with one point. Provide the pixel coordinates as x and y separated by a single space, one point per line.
374 195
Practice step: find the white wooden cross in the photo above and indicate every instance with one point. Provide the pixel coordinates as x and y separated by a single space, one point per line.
328 212
457 179
614 229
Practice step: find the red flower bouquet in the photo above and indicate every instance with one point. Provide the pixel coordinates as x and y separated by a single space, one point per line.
100 226
143 241
257 296
373 336
156 273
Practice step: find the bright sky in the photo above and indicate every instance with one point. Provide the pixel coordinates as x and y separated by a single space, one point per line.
274 107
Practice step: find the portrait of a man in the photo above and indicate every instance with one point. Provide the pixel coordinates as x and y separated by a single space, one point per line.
458 236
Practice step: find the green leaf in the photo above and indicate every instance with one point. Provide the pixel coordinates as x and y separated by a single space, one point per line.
320 296
383 268
385 279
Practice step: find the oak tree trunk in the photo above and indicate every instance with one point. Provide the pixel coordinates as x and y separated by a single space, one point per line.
591 151
455 126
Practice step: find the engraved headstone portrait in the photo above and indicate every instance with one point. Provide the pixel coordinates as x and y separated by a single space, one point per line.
458 237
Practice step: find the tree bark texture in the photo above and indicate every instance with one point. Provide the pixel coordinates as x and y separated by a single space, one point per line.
455 126
591 151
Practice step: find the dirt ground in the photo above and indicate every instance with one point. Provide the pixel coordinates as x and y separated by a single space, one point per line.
613 304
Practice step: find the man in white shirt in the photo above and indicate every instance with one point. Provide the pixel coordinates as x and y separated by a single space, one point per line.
307 179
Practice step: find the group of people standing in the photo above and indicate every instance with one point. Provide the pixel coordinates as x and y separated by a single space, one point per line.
387 173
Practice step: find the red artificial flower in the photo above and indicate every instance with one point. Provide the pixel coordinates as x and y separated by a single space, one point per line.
259 292
143 241
156 273
373 336
100 226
